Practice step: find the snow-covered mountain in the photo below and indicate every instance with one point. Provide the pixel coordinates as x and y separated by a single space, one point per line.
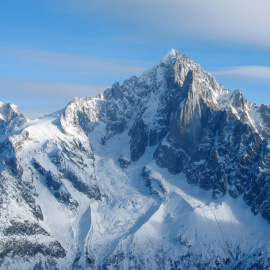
166 171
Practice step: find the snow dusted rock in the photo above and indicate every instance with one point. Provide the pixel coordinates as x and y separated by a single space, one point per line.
10 118
169 170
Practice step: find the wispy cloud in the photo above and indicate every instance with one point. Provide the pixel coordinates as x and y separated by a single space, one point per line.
224 20
246 72
84 64
36 98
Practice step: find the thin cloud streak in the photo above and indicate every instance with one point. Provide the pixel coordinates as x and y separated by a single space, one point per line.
36 98
66 61
225 20
247 72
47 90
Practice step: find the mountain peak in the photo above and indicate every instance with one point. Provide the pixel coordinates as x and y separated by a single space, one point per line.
7 111
169 56
172 52
10 118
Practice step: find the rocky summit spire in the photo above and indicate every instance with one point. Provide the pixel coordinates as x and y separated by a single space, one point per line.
170 56
10 118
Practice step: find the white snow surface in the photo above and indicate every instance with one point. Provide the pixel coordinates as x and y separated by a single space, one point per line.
129 219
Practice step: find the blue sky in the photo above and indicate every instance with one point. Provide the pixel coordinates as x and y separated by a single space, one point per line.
52 51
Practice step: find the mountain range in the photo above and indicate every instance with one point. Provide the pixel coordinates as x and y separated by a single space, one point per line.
169 170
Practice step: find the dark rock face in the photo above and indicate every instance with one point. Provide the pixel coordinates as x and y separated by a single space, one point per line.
55 186
170 158
123 162
24 248
91 191
138 139
116 91
24 228
154 185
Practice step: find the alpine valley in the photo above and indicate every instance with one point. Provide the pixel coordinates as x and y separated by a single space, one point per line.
166 171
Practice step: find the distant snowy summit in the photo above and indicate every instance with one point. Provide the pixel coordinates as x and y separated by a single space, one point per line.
169 170
10 117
